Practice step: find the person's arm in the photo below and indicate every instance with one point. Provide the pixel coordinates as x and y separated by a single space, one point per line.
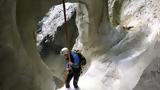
68 65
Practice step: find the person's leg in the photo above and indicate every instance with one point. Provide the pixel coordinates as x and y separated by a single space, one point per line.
76 78
69 77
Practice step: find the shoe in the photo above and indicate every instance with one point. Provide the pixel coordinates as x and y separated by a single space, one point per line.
67 86
76 87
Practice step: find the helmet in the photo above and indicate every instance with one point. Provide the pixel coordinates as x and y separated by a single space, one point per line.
64 51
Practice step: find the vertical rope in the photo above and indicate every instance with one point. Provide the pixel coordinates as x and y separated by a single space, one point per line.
67 44
65 24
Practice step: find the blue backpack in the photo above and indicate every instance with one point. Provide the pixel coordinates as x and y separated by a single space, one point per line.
78 59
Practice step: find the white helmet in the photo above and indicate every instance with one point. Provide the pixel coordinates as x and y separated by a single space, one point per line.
64 51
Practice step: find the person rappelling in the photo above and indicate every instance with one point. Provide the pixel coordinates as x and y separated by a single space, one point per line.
74 61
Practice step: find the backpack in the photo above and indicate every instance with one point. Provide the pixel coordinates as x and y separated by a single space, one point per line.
82 58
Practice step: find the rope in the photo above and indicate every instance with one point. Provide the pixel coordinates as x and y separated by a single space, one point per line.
65 24
67 44
66 30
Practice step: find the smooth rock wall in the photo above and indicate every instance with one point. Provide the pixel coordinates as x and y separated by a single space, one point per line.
20 64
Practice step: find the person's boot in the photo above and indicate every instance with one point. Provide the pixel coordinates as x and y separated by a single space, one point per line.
67 86
76 87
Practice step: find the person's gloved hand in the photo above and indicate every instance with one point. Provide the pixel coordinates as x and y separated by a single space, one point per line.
70 63
67 69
